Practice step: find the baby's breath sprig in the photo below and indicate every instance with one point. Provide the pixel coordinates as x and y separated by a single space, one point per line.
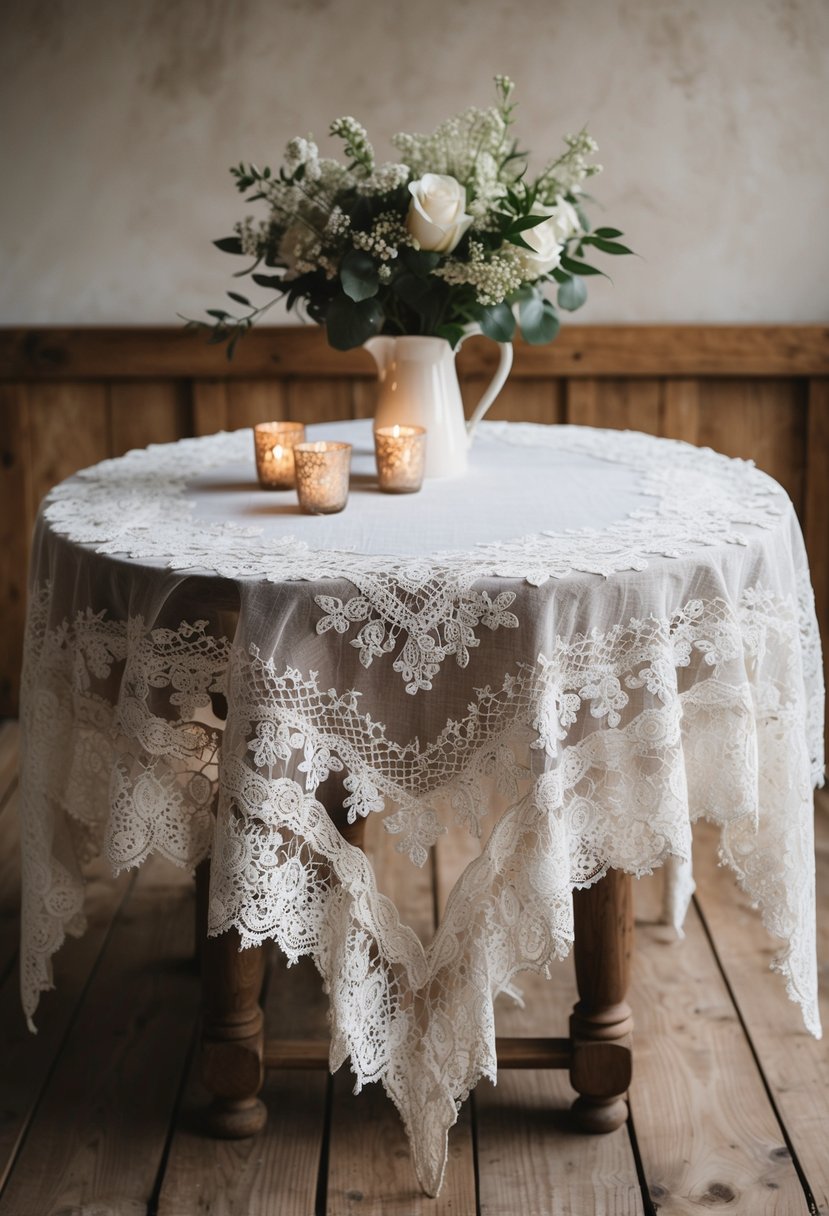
504 88
357 146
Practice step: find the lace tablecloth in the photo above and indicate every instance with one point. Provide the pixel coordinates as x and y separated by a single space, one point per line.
592 640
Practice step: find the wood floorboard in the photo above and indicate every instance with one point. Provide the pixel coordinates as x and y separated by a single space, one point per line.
9 881
91 1125
274 1173
28 1060
9 747
98 1133
9 848
707 1133
529 1158
795 1065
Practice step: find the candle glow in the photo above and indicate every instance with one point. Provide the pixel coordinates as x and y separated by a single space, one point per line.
274 444
322 476
400 453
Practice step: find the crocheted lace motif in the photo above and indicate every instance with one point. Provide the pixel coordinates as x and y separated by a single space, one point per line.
603 752
421 611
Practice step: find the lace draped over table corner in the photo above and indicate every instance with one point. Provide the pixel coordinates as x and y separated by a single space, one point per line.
602 733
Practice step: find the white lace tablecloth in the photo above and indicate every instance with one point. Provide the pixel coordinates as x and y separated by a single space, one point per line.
592 640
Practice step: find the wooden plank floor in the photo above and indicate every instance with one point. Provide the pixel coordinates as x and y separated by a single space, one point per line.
99 1113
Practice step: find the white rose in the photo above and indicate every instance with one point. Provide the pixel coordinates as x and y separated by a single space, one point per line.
566 219
437 216
548 238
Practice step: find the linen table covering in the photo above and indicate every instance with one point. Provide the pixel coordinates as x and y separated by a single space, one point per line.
592 640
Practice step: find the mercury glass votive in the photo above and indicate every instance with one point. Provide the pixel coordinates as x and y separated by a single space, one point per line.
400 453
274 443
322 471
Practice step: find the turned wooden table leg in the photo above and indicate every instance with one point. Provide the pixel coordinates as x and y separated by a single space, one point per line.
601 1022
232 1035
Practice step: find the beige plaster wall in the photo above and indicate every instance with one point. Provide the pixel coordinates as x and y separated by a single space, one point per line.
120 117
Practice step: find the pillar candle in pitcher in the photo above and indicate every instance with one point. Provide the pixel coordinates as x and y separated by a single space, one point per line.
401 454
274 444
322 472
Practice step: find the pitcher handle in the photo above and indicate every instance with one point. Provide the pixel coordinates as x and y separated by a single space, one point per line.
493 388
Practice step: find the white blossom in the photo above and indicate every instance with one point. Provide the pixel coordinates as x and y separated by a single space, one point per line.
303 152
494 276
565 174
384 239
385 179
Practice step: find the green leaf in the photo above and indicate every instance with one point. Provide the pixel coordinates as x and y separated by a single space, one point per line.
608 232
419 261
234 295
574 267
606 246
452 333
525 222
350 323
358 275
523 293
272 281
414 291
539 321
572 293
497 321
218 313
229 244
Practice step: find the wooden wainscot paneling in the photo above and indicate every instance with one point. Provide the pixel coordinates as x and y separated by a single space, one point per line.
69 429
632 405
524 400
319 400
227 405
147 411
15 530
301 350
760 420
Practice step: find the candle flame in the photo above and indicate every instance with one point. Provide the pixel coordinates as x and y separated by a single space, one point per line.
395 430
276 451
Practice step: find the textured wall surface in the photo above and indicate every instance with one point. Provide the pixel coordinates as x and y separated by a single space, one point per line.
121 117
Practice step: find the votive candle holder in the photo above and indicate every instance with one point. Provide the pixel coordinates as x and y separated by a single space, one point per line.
274 444
400 452
322 472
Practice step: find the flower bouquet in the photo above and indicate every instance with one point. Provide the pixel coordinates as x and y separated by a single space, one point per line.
453 236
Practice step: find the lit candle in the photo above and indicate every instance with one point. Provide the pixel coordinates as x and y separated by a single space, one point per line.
274 444
400 453
322 472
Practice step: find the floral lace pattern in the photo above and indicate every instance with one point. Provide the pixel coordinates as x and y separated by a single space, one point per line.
604 750
138 505
608 725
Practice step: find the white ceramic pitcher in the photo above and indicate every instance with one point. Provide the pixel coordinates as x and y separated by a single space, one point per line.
419 387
